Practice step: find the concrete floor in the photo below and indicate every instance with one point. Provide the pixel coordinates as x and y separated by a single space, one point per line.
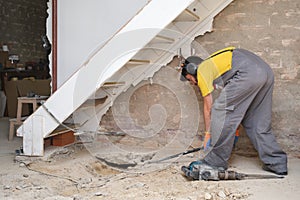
7 148
287 188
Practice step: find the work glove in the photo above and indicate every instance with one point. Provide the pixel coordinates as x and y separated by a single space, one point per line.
207 141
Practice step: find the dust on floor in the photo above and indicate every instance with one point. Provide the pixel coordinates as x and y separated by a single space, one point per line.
73 173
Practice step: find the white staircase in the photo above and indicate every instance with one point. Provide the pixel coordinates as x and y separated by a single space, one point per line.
145 44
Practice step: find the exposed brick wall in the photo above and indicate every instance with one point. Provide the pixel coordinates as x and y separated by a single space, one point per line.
271 29
22 23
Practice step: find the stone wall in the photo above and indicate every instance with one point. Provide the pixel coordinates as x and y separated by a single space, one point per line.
271 29
22 23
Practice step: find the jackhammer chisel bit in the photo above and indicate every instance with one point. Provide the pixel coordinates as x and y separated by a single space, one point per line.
232 175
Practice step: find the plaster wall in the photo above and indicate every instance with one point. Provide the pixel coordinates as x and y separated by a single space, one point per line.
83 26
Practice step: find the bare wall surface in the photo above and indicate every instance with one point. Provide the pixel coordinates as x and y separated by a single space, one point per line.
83 26
269 28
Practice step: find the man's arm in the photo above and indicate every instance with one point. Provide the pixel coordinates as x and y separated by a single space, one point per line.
207 104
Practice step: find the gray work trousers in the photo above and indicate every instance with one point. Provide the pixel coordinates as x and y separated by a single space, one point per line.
245 99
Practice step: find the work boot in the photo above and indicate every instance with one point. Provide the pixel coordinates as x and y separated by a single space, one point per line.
271 168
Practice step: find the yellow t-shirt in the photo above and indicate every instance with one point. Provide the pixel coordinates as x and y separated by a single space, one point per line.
212 68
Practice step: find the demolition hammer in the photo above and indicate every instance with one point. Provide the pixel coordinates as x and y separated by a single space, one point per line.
199 171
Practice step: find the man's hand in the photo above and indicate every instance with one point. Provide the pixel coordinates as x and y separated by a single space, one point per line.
207 141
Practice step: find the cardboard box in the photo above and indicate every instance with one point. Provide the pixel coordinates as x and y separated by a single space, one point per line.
3 58
20 88
63 139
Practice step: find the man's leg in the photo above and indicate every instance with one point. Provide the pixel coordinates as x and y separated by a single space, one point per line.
228 111
257 124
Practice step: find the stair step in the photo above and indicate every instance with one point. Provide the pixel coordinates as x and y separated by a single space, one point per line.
163 39
93 102
113 84
138 62
187 16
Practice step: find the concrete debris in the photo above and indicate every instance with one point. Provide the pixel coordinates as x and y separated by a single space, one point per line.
98 194
217 192
137 185
58 198
25 175
22 164
61 153
6 187
19 187
120 160
81 176
222 194
207 196
38 188
227 192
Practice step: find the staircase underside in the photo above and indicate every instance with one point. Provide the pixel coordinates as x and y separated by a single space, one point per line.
134 54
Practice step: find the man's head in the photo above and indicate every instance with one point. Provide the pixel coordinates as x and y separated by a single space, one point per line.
189 69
